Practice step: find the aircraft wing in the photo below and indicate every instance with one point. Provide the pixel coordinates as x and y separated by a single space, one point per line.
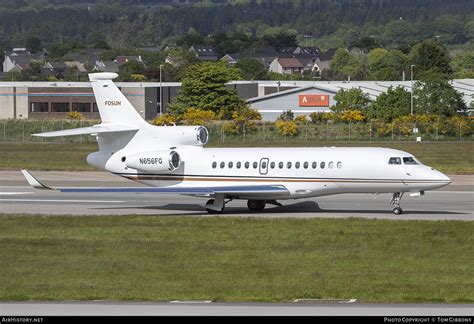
96 129
255 190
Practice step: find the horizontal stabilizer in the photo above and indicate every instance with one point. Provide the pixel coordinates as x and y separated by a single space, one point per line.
257 190
96 129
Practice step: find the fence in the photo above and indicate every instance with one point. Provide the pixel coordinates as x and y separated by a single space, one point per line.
22 130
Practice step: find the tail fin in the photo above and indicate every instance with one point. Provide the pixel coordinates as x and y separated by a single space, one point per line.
113 107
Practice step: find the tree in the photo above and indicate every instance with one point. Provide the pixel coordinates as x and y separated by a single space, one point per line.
437 97
386 64
401 32
203 87
349 65
430 58
281 40
251 69
56 51
33 44
352 99
391 104
130 68
368 43
463 65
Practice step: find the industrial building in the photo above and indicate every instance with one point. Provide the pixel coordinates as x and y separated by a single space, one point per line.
43 100
305 97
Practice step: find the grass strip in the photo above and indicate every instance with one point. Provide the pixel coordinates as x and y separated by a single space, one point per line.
160 258
450 158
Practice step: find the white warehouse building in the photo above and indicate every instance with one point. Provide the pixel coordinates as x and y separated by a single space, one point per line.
306 97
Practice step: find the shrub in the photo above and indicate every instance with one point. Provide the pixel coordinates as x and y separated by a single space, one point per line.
286 115
352 116
286 127
244 118
165 119
194 116
74 115
301 119
321 117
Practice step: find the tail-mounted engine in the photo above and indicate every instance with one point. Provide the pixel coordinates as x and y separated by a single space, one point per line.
184 135
155 161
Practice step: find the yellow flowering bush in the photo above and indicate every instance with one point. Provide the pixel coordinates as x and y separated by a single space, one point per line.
194 116
286 128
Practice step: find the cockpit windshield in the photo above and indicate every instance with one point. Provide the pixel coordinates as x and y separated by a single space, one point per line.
409 160
395 160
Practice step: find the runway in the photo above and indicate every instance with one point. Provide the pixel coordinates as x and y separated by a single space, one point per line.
230 309
18 198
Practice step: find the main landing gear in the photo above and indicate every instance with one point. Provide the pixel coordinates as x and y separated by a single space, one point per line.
217 205
395 201
259 205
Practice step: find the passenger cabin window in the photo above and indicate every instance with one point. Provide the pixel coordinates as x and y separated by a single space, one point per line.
280 165
231 165
238 165
305 165
214 165
297 165
395 160
288 165
314 165
222 165
272 165
255 165
409 160
247 165
339 164
322 165
331 165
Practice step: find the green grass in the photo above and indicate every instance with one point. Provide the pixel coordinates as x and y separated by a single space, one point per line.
58 157
448 157
157 258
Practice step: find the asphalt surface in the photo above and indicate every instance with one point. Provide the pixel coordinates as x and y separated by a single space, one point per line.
455 202
16 197
231 309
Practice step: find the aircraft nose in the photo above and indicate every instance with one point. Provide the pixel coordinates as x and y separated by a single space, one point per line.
440 177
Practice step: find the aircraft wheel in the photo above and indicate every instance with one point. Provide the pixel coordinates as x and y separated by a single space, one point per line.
256 205
397 211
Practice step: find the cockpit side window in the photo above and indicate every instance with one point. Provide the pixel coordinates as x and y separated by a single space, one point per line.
409 160
395 160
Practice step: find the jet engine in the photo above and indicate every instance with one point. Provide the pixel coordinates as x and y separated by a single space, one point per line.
184 135
155 161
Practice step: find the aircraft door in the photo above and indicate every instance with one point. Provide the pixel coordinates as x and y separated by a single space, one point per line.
263 166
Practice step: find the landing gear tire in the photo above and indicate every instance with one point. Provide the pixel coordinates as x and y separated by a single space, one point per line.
256 205
395 202
213 211
397 211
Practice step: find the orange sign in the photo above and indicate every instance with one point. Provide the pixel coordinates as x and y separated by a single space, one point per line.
313 100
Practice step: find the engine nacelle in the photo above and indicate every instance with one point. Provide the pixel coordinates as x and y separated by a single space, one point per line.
155 161
184 135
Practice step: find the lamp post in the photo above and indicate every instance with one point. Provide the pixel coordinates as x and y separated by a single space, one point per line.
411 97
161 92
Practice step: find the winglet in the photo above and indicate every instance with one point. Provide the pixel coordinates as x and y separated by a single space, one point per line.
34 182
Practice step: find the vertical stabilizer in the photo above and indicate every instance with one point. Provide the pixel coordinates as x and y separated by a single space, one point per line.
113 106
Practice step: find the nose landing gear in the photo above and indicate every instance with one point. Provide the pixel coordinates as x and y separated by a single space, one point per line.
395 201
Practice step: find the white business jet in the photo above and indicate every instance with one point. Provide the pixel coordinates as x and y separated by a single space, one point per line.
173 160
